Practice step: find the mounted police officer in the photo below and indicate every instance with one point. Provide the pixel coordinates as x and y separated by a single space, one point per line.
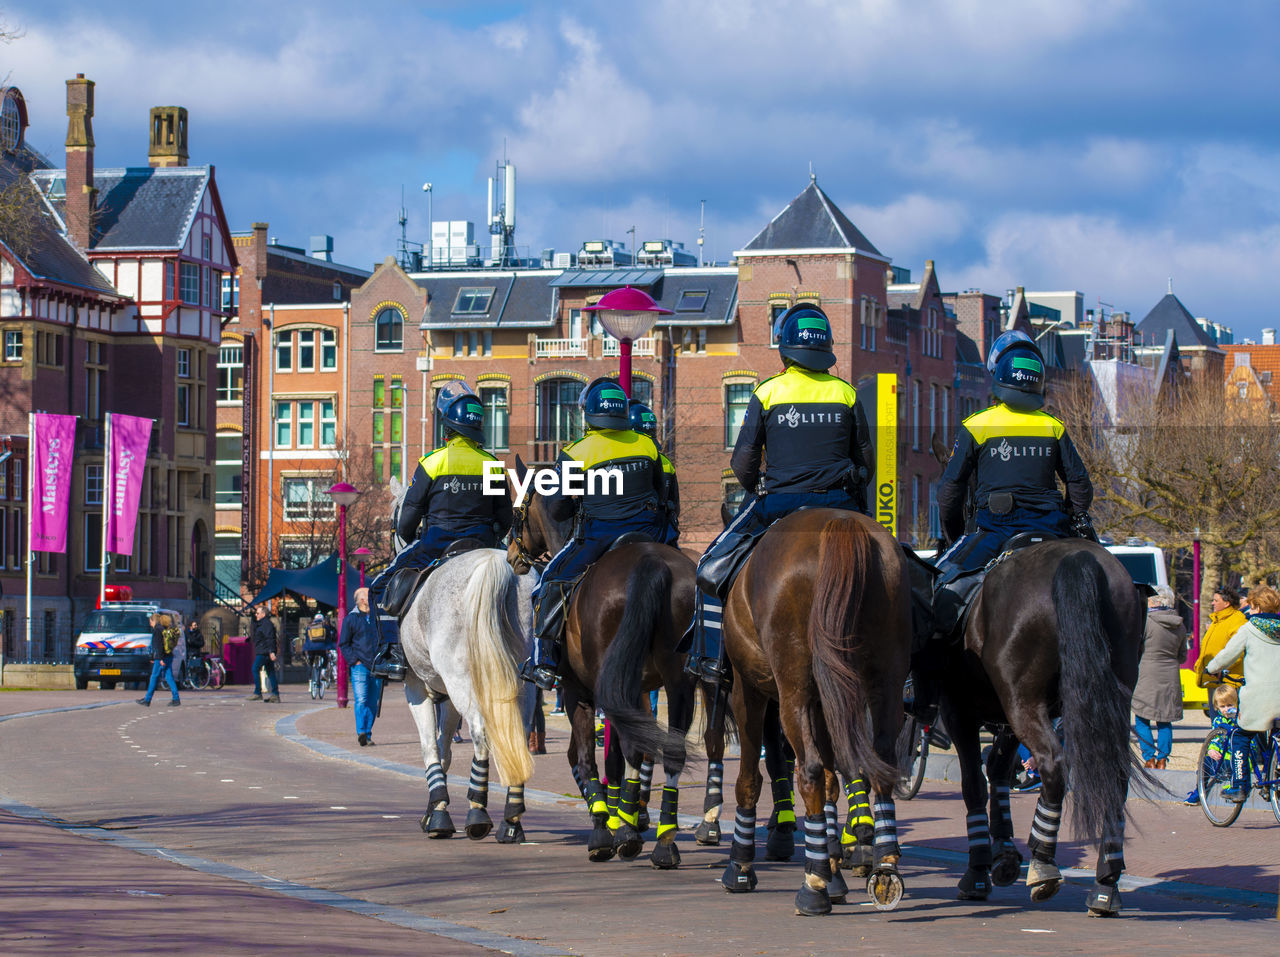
643 420
813 432
447 498
600 515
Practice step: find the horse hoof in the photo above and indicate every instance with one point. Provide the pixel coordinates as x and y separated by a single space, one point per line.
628 842
837 889
510 833
781 845
739 878
707 833
811 902
1043 880
1103 900
438 824
642 820
975 885
885 888
478 825
1008 864
600 844
857 859
665 856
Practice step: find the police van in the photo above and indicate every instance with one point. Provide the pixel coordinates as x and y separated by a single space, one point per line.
114 643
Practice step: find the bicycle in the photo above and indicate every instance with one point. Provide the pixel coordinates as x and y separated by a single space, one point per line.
1214 773
913 755
217 672
196 673
323 672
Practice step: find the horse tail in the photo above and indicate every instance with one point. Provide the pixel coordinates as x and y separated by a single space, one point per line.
1095 709
494 680
620 684
845 550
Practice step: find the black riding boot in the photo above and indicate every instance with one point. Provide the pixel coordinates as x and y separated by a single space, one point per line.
920 696
389 662
543 669
706 656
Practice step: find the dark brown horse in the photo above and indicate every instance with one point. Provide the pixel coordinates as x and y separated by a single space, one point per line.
819 621
622 628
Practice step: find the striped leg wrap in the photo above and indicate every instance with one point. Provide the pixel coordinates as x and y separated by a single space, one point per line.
1044 831
855 792
833 830
629 802
1111 857
816 859
593 794
646 778
478 791
715 784
1002 826
979 839
744 837
784 804
886 828
577 777
437 785
611 801
670 806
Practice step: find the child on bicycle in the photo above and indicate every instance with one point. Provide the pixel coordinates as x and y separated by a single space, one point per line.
319 641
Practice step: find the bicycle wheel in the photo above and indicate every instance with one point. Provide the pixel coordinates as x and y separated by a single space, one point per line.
1211 775
220 674
316 683
200 675
913 751
1273 776
323 681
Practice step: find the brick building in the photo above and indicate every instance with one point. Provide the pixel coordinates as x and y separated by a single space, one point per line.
115 308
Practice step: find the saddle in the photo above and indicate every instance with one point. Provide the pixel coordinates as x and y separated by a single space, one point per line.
953 600
405 584
631 538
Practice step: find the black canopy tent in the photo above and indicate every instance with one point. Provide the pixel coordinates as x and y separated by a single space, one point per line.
319 582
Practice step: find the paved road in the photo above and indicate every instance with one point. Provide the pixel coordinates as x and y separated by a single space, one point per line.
265 829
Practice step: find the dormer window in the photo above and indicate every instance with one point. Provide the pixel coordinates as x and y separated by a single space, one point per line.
473 300
692 300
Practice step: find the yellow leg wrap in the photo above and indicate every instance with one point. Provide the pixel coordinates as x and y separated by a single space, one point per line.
599 807
613 823
632 819
786 817
665 829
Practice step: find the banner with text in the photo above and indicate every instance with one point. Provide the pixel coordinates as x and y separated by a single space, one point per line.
130 436
53 442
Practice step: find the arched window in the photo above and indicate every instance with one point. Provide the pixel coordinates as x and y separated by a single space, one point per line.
388 331
559 418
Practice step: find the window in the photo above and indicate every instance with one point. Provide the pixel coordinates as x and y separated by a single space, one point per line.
472 300
190 284
915 414
93 485
642 390
206 248
92 541
226 561
204 286
18 489
397 463
93 392
397 393
734 494
487 339
307 350
397 425
692 300
305 499
379 392
230 293
215 284
184 404
389 331
4 493
337 291
496 418
227 472
328 425
777 308
559 418
306 425
737 396
328 349
13 345
284 351
933 411
184 363
169 266
231 374
946 416
379 465
284 425
295 554
379 427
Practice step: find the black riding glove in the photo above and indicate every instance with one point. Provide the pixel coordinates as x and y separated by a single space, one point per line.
1082 526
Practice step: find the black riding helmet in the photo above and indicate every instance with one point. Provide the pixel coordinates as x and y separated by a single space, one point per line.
604 405
804 337
1018 380
643 420
461 410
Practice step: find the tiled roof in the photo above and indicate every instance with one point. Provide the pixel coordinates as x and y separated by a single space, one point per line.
811 221
1170 313
1263 360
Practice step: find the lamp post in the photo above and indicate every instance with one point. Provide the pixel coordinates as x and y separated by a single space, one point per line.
627 314
426 188
362 554
343 494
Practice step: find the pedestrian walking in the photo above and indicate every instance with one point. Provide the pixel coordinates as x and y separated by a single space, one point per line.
266 651
1157 697
358 644
165 636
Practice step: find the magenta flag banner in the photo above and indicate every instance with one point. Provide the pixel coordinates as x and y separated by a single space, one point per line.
130 436
53 443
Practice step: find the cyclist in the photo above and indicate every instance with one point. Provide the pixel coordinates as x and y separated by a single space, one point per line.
319 642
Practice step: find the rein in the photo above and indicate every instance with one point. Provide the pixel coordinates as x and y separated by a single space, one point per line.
520 518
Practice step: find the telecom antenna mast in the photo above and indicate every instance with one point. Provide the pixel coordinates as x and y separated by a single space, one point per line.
502 214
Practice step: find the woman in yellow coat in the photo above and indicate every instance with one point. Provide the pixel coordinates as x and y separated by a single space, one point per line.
1224 621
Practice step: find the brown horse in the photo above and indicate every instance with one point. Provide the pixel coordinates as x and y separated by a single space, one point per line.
622 628
819 621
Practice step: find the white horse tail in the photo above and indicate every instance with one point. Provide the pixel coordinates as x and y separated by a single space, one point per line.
494 680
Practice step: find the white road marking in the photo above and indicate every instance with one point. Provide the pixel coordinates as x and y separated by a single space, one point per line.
290 797
228 780
1037 930
336 807
390 817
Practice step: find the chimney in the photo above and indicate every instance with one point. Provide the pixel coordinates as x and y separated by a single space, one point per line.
168 136
259 252
1268 337
81 194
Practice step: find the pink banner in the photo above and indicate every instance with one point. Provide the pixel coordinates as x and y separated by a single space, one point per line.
53 443
130 437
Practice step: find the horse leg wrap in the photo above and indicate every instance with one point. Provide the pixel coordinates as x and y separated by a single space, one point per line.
1103 900
1001 818
886 830
833 830
612 796
667 816
437 785
715 784
784 805
478 788
816 859
1111 855
577 777
860 855
629 801
743 849
515 802
646 780
979 840
600 843
1043 842
593 794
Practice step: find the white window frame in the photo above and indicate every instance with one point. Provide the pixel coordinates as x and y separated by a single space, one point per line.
285 420
94 485
328 350
183 397
306 419
13 342
189 283
306 340
230 358
329 421
305 509
283 349
184 363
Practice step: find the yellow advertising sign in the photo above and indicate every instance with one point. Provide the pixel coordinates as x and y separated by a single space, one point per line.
887 451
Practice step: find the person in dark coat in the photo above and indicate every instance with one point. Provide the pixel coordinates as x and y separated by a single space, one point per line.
1157 697
359 646
266 650
161 660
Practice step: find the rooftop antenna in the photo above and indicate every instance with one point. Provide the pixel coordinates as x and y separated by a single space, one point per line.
813 178
702 213
404 237
1171 285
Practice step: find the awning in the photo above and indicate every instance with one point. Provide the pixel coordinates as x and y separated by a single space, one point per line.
319 582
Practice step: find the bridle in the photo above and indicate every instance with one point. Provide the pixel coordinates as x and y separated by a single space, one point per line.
519 519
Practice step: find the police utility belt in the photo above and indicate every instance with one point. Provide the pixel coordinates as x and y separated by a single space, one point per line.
1002 503
585 515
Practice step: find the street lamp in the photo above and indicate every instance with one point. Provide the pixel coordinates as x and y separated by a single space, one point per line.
627 314
343 494
361 554
426 188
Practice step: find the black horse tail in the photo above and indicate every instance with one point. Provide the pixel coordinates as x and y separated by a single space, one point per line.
1095 708
845 551
620 684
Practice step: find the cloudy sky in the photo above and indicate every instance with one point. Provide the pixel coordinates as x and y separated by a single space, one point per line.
1099 145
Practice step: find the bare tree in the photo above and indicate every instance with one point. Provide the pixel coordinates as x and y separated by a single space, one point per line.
21 215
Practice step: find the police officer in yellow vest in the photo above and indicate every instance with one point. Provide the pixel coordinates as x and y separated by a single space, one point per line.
644 421
601 515
813 432
447 496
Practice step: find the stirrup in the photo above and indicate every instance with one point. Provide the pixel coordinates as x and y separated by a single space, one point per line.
389 663
710 670
543 676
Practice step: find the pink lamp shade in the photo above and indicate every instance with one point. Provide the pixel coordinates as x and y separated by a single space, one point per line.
627 313
344 493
